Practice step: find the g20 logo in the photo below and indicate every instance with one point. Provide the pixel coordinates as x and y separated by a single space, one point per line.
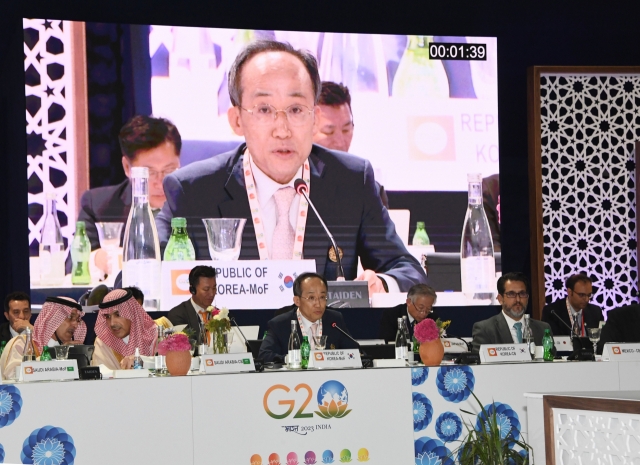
332 398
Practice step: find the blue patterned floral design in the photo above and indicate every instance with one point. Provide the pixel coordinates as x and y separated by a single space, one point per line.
448 427
455 383
523 453
10 404
506 418
48 445
422 411
1 454
419 375
431 452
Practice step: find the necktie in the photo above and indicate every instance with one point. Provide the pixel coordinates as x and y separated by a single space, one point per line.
518 327
314 333
283 235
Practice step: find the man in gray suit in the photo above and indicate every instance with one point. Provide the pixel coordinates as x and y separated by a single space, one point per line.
507 326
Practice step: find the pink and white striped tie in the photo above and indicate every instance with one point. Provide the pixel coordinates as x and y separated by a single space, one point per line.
314 333
283 234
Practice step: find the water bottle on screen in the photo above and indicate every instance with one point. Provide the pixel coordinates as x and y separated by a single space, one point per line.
405 328
45 356
547 344
179 247
527 336
141 249
294 347
420 237
28 354
80 253
51 246
477 263
401 342
305 352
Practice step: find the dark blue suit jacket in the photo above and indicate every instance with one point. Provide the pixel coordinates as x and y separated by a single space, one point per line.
277 340
343 190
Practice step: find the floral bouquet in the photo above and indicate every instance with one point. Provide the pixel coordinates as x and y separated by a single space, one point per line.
177 342
217 324
428 330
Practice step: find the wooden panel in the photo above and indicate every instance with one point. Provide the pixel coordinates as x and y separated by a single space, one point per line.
80 102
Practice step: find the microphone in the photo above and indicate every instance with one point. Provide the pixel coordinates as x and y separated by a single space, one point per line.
366 360
301 188
571 331
246 342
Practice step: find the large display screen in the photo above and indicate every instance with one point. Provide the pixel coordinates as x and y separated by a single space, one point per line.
423 122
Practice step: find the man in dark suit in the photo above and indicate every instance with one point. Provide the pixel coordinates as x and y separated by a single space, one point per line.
202 286
145 141
623 325
419 305
573 314
17 310
269 78
311 317
507 326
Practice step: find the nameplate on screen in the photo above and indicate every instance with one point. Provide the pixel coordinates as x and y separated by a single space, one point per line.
345 358
454 346
621 352
500 353
49 371
228 363
240 284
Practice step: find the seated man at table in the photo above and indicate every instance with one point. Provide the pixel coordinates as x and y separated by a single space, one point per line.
623 325
573 314
202 286
17 310
121 327
312 316
507 326
58 323
419 305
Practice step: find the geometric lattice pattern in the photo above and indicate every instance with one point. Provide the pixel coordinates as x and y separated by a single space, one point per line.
50 129
583 437
589 125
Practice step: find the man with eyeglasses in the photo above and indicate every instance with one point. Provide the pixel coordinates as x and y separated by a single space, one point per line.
145 141
419 305
574 314
274 91
58 323
507 326
313 317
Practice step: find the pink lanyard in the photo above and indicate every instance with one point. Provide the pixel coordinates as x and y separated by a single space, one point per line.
254 206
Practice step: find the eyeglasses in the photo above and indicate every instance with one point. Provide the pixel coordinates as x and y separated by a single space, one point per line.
314 300
422 309
153 174
297 114
512 295
583 295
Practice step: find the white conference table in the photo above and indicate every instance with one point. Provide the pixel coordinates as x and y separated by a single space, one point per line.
395 415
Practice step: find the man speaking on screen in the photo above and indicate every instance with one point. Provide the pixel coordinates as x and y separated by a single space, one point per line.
274 90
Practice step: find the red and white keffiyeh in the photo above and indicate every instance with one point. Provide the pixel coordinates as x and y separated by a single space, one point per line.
54 311
143 332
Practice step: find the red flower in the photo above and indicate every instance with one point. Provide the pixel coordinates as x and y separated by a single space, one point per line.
426 331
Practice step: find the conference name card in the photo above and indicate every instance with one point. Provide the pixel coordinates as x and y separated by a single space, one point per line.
49 371
500 353
453 346
621 352
345 358
228 363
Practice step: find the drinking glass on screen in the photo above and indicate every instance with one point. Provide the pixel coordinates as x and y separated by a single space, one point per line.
109 236
62 352
594 337
320 342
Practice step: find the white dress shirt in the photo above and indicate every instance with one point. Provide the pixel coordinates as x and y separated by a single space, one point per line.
510 323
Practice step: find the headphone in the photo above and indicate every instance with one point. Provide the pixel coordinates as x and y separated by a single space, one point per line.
194 277
192 286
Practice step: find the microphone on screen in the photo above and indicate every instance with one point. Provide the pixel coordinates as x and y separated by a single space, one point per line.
366 360
246 342
301 188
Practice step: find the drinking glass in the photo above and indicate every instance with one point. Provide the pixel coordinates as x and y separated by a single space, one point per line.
320 342
594 337
224 236
228 340
109 236
62 352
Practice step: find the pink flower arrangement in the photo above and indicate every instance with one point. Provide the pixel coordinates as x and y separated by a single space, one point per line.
175 343
426 331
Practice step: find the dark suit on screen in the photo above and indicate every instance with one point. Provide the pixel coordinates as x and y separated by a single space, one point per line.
592 316
389 322
623 325
104 204
495 330
5 333
343 190
275 344
185 314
